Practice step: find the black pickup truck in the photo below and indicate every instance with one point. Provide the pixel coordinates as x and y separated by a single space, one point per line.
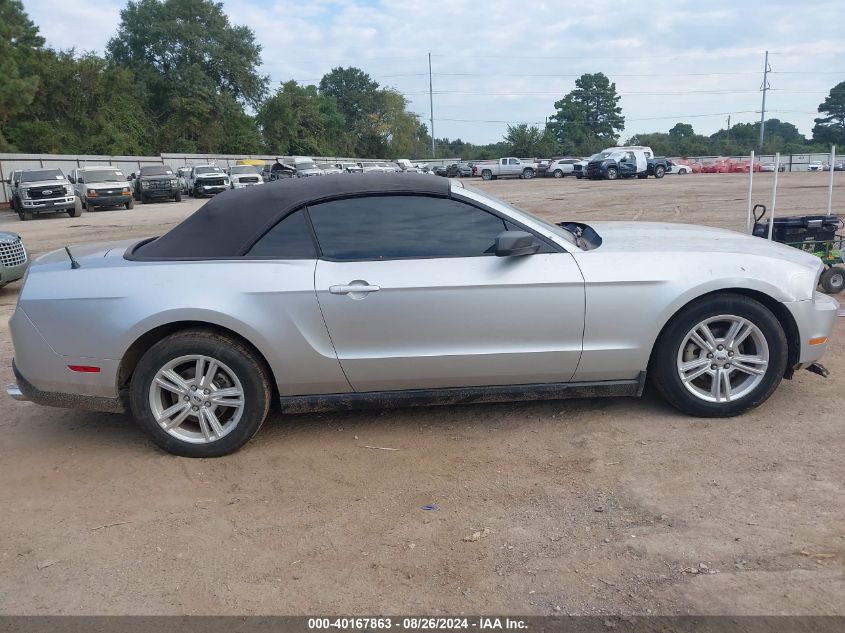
614 163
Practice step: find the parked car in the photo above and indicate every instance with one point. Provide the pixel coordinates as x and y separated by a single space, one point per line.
611 164
560 167
656 166
329 170
440 170
155 182
679 168
406 165
277 171
368 167
182 175
13 182
388 168
350 168
770 167
464 169
207 180
13 258
508 168
244 176
816 165
45 191
351 325
305 167
104 186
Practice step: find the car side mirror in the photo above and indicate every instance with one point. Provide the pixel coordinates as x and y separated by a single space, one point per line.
131 177
71 180
515 243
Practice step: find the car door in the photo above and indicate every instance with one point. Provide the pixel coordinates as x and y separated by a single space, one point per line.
414 298
78 183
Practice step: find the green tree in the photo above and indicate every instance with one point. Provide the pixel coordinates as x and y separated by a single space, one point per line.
830 129
524 140
20 46
589 117
196 66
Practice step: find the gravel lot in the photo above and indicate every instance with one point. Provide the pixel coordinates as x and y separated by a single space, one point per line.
581 507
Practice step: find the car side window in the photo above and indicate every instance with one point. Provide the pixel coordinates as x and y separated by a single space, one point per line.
398 227
289 239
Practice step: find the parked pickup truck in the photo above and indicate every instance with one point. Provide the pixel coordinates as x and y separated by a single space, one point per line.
207 180
508 168
45 190
626 162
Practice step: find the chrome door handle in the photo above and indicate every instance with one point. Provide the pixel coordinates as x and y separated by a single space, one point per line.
345 290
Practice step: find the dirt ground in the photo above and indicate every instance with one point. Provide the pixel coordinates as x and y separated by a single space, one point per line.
575 507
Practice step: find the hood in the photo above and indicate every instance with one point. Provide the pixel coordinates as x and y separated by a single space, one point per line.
121 184
44 183
213 175
664 237
7 238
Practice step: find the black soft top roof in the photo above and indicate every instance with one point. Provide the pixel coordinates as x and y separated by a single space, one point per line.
230 223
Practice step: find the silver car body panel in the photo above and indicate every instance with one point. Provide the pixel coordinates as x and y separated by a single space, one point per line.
581 316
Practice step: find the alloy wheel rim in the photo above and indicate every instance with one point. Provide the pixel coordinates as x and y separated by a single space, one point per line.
723 358
196 399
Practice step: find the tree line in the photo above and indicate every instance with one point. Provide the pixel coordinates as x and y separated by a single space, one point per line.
177 76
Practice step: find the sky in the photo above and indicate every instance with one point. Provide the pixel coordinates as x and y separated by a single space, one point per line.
496 62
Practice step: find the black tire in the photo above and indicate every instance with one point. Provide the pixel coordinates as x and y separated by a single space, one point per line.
486 174
612 173
579 176
77 209
642 176
144 199
136 196
242 360
832 280
26 215
659 171
130 205
178 197
558 173
664 371
527 174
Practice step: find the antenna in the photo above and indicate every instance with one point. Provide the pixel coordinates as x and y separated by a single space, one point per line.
73 263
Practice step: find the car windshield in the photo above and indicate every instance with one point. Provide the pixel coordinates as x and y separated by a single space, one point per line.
156 170
243 169
103 175
42 174
519 213
211 169
601 156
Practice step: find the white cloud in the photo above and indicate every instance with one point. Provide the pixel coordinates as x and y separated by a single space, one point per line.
703 59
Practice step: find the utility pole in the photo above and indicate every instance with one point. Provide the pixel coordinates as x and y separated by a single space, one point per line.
764 88
728 135
431 106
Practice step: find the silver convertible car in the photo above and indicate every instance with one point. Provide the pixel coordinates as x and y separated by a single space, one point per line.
398 289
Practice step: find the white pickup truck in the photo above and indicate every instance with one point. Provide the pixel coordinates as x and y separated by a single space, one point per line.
507 168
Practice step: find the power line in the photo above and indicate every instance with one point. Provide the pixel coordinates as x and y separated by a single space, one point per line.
765 87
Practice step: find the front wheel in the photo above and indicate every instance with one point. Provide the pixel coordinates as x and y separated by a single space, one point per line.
528 174
720 357
130 205
558 173
200 394
77 209
178 197
612 174
832 280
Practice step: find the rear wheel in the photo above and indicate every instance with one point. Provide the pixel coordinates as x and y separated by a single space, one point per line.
486 174
178 197
77 209
659 171
720 357
26 215
200 394
528 174
832 280
130 205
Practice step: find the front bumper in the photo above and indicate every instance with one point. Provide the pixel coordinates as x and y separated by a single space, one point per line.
51 204
9 274
815 319
158 193
108 201
210 189
242 185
